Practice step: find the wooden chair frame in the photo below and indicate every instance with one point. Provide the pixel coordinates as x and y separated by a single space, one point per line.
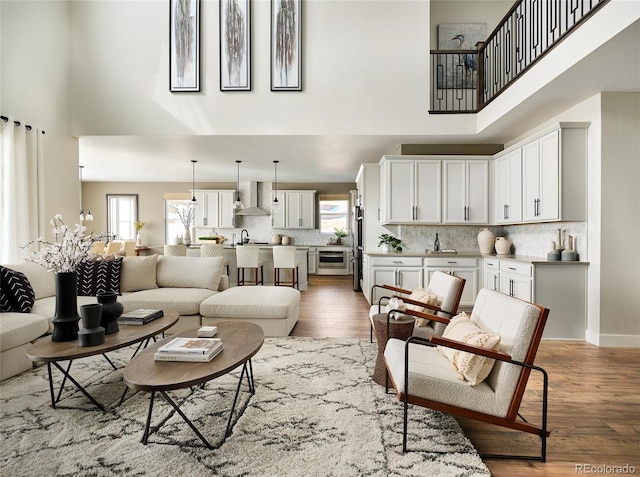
513 413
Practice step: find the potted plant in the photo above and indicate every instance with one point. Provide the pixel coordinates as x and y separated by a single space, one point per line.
340 234
388 242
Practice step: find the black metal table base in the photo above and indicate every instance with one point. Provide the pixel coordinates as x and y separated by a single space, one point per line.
67 375
247 369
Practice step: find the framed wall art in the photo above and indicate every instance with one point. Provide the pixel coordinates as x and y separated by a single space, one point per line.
184 45
286 45
235 45
459 71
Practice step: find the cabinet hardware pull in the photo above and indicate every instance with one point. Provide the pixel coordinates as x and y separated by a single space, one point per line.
399 262
205 221
511 268
452 262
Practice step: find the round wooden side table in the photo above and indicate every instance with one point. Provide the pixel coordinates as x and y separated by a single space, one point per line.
402 328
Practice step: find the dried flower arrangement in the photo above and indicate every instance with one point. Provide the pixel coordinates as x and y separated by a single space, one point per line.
71 247
186 214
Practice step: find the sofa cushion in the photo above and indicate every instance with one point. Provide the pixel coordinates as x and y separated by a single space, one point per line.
138 273
189 272
470 367
17 329
16 293
99 276
267 302
185 301
42 281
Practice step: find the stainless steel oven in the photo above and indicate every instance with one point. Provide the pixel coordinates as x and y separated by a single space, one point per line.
332 261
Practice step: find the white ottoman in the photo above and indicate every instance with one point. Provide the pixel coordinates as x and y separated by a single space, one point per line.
274 309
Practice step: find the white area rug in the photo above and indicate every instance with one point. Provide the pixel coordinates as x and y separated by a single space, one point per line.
316 412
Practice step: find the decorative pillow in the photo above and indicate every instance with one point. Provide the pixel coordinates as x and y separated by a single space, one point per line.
470 367
425 296
138 273
99 276
16 293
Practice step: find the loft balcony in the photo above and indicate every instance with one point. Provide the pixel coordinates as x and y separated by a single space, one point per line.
467 80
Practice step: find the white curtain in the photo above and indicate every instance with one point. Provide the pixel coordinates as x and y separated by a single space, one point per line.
21 165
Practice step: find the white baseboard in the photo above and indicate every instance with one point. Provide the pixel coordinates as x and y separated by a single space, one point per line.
613 341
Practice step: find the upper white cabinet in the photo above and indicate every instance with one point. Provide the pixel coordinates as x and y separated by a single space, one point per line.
554 180
368 183
508 187
215 209
410 190
466 191
296 210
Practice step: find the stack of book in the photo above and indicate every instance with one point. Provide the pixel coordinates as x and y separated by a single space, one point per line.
140 316
189 349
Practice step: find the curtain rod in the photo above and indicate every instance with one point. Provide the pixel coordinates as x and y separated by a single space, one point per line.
17 123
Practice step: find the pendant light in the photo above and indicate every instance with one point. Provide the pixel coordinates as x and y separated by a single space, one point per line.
194 203
238 203
275 184
89 216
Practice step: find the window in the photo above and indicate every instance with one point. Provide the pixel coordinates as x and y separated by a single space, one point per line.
122 214
334 215
173 225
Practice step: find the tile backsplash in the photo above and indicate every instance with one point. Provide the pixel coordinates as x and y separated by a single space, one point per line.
527 239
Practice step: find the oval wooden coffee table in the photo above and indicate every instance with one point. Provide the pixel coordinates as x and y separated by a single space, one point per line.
241 341
46 351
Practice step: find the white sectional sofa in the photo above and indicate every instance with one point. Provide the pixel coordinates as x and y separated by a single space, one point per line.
181 284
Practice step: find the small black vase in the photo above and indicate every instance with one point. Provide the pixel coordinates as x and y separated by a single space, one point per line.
92 333
66 317
111 310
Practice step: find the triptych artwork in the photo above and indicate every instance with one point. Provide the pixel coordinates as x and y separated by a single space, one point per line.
235 45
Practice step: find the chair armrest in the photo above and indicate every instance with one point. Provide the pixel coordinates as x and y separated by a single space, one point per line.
426 316
459 345
388 287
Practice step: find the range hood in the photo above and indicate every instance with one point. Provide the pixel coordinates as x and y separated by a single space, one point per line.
253 208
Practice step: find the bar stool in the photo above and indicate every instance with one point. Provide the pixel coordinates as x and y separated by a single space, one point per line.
214 250
247 256
175 250
284 257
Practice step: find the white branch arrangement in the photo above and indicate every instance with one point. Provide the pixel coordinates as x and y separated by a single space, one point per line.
186 215
66 253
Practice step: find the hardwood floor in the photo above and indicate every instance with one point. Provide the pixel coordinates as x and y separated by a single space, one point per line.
594 393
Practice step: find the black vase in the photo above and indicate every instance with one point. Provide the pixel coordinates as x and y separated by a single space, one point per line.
65 320
111 310
92 333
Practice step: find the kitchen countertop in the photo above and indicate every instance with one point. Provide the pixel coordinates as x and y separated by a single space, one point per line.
472 254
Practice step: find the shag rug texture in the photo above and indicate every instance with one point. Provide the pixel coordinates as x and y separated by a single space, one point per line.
315 412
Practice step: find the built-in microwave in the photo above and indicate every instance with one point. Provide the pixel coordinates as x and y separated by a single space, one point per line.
332 261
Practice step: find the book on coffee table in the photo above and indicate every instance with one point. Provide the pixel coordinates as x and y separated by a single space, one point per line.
190 346
140 316
194 357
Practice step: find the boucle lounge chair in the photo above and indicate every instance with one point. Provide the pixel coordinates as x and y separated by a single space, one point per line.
424 373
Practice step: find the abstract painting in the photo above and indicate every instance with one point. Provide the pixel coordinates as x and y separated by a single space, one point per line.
459 70
286 45
184 45
235 45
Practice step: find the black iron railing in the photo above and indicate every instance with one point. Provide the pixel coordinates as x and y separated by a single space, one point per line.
467 80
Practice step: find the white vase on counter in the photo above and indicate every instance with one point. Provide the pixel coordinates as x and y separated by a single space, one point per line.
486 241
386 248
503 246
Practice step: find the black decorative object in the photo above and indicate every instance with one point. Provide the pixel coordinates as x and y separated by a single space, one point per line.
65 320
92 333
111 310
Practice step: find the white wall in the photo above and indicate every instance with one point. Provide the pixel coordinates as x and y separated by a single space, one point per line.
34 88
620 268
365 71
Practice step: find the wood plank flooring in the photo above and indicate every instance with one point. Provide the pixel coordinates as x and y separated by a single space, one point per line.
594 393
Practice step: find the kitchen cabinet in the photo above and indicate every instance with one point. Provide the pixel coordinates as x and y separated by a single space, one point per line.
365 285
466 191
368 183
466 268
313 260
554 175
559 286
215 209
402 272
296 210
515 279
507 186
410 190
